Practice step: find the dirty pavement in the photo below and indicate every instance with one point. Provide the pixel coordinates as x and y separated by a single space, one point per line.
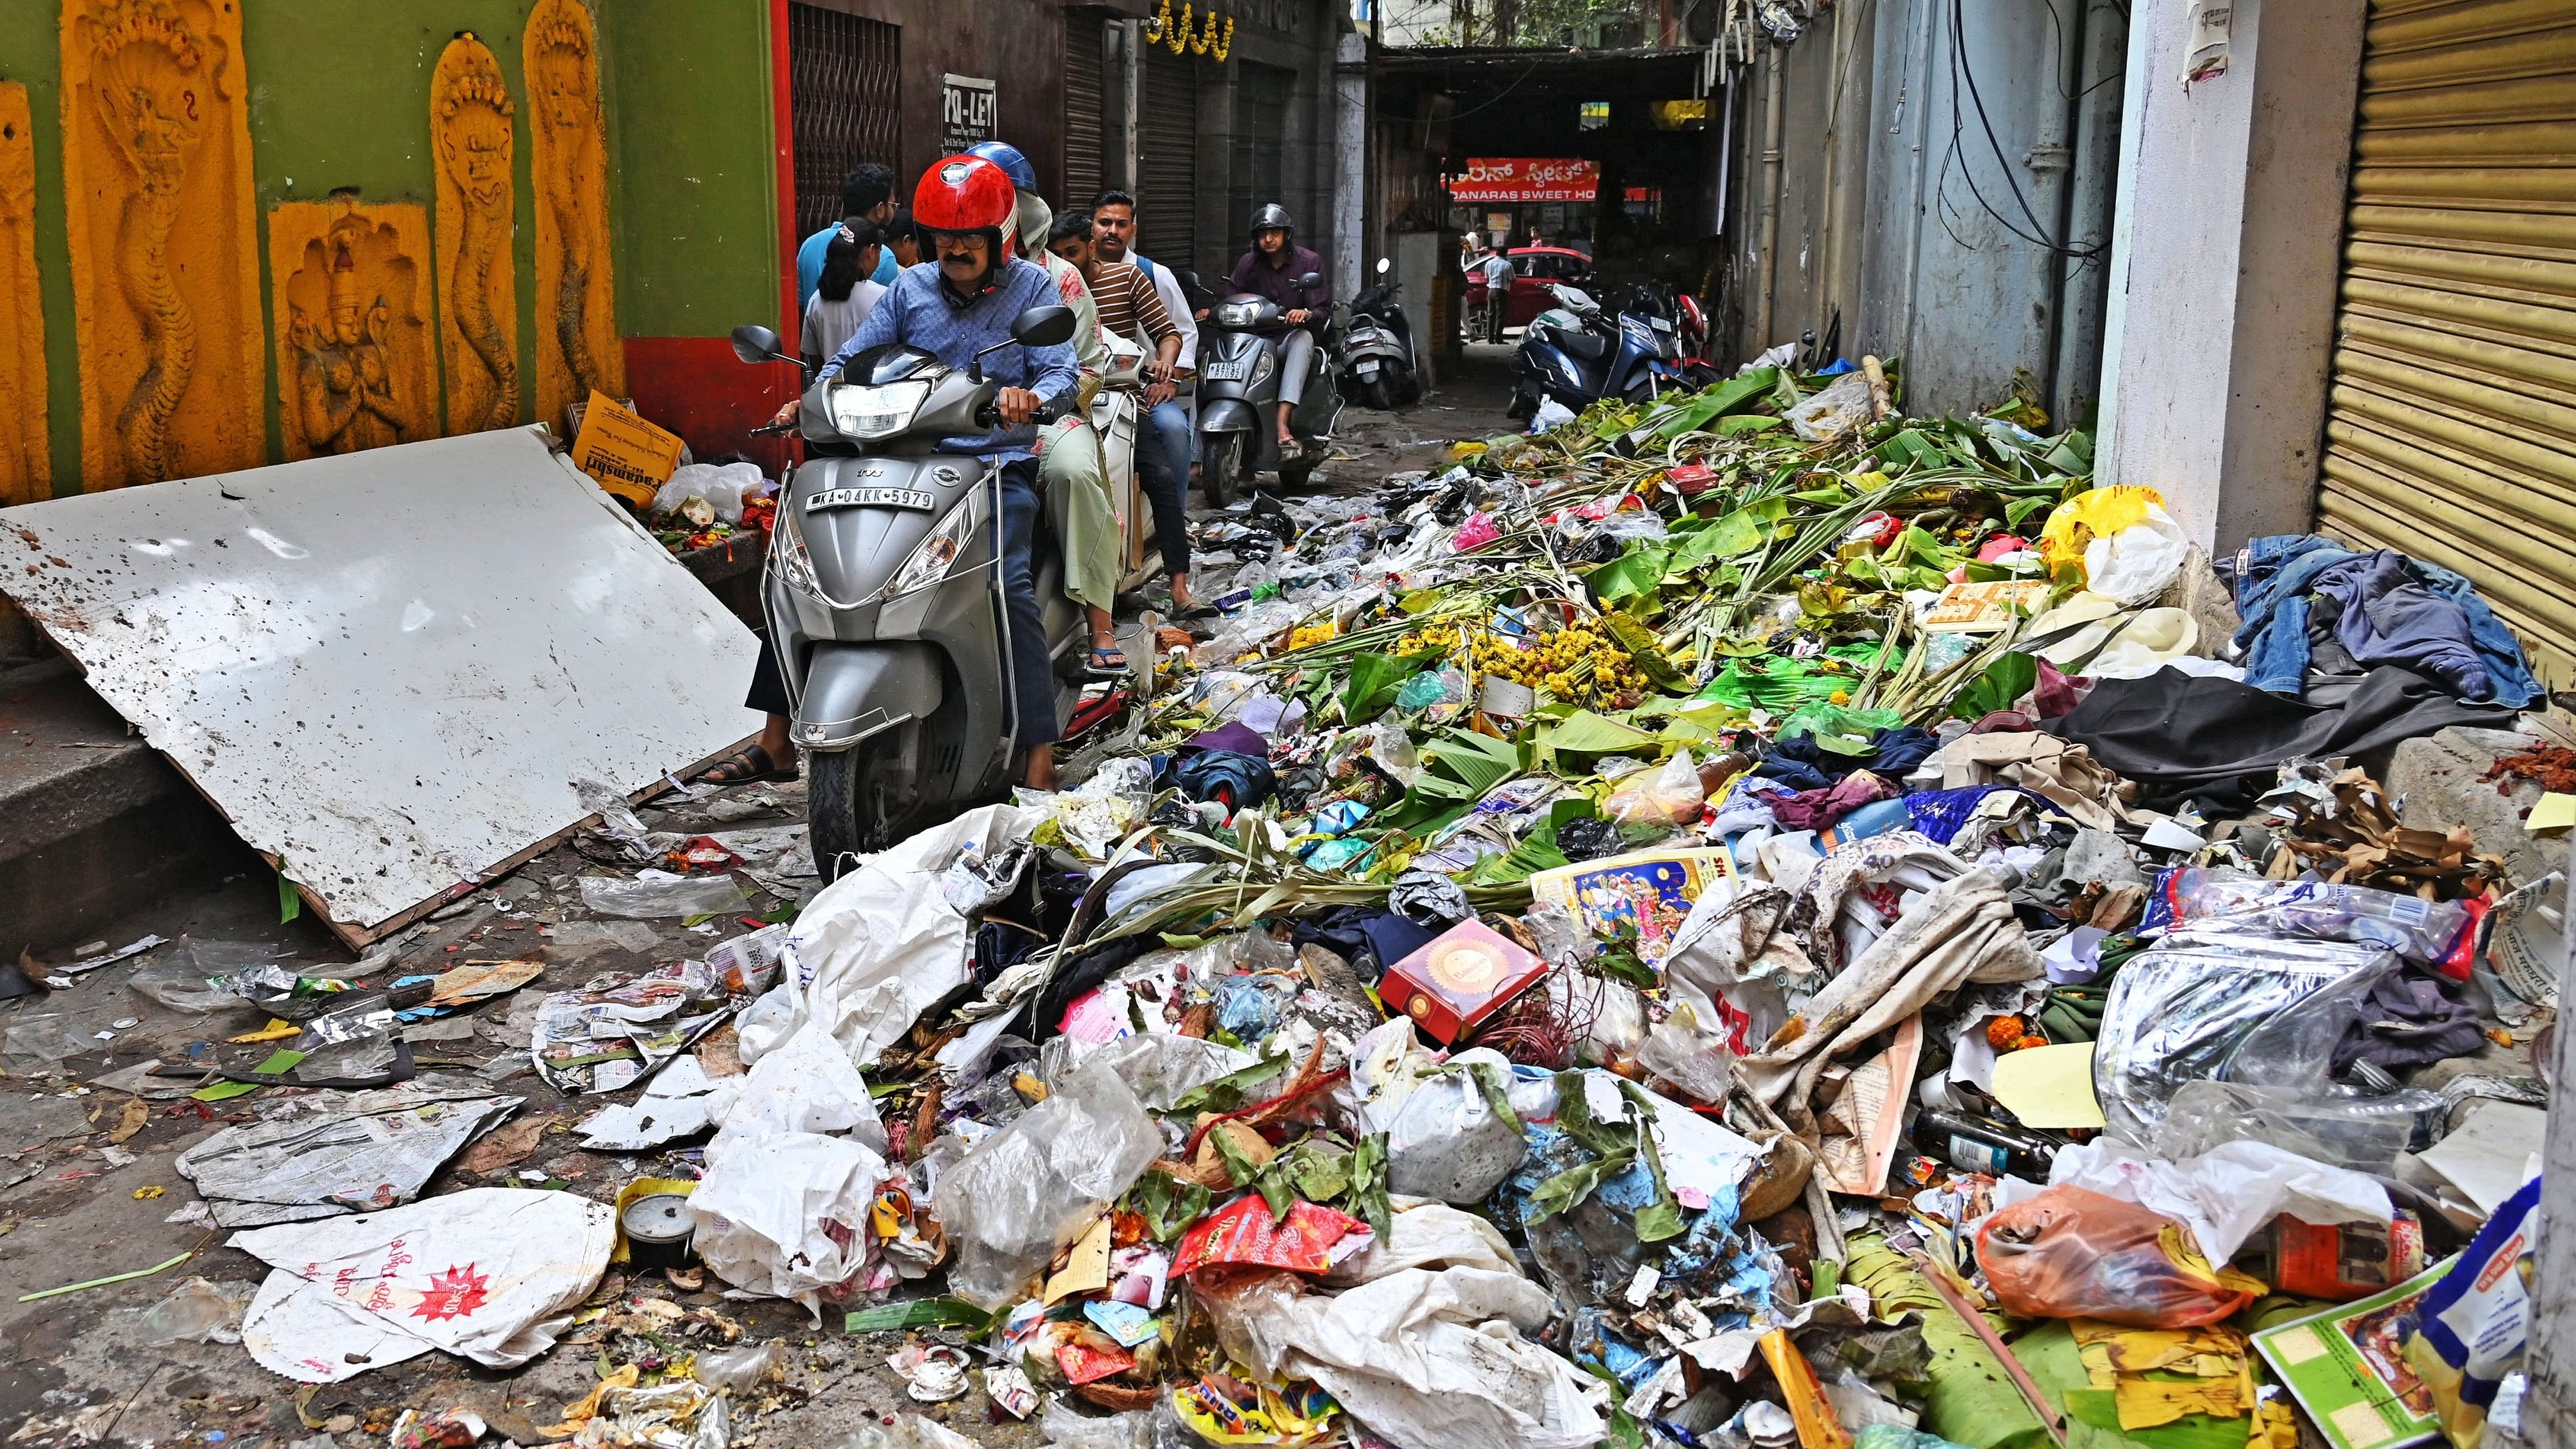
1745 920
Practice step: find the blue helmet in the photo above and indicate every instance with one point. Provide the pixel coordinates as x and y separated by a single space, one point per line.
1008 157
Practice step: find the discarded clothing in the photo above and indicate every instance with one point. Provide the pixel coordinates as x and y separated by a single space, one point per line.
1801 763
2176 730
1822 809
2066 775
2405 1022
1230 777
1941 814
2387 609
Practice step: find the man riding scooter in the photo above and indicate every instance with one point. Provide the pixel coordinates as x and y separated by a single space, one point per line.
961 310
1275 268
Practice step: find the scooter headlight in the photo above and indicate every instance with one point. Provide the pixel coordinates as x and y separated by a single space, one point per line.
931 561
880 411
1237 314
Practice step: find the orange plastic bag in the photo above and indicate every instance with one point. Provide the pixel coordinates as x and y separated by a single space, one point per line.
2072 1253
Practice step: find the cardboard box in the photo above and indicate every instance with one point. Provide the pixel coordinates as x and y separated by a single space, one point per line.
1462 976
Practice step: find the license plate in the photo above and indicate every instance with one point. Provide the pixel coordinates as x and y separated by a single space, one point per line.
1368 369
870 498
1233 371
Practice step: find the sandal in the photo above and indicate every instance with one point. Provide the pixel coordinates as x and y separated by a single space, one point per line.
745 765
1195 608
1101 666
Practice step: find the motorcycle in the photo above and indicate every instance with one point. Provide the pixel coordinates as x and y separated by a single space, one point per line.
1377 349
883 592
1578 355
1238 388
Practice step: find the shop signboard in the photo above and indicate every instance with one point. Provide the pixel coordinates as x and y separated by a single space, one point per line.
1526 178
966 112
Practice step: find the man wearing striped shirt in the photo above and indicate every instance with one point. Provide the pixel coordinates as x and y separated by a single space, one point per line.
1131 308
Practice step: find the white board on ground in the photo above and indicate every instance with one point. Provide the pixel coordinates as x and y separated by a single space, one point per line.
388 668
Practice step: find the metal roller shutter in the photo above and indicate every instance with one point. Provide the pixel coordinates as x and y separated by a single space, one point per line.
1085 137
2451 423
1167 191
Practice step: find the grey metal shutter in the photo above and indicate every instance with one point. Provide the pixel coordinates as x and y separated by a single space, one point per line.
1085 134
1167 191
2451 425
844 84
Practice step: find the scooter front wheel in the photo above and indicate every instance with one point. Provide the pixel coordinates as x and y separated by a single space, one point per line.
1222 467
849 811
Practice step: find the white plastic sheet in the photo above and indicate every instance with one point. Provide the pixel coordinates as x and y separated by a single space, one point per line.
875 948
1429 1360
785 1214
490 1274
322 1153
2224 1196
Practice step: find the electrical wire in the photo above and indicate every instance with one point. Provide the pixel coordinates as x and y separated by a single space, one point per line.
1963 75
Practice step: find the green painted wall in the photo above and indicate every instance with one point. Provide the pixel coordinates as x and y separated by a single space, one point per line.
339 96
695 188
29 53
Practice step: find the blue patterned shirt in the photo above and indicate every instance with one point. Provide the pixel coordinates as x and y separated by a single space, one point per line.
919 311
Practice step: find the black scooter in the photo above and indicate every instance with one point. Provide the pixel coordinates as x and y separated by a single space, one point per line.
1377 349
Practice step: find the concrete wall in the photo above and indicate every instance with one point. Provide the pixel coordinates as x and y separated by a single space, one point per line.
2223 271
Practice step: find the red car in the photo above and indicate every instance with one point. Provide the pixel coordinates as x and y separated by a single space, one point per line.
1535 269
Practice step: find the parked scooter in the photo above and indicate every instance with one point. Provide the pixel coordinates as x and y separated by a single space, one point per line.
1377 349
884 592
1577 355
1239 391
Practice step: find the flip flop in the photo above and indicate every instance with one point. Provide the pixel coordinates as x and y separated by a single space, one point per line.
1097 667
743 766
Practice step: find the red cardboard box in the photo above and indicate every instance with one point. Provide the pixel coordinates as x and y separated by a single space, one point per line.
1464 975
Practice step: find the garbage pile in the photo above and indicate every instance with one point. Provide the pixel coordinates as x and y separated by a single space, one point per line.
1749 920
705 504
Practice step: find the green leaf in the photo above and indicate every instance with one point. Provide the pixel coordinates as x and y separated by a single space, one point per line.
1717 401
1748 423
2005 680
1737 533
1271 1181
923 1313
1170 1205
1478 762
1374 680
289 904
2021 508
1368 1184
1630 574
1231 1090
1586 733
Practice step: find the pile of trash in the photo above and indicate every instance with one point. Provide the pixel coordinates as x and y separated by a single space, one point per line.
705 504
1749 920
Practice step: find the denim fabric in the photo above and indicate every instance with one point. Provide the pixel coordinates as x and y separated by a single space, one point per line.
1163 457
1032 672
918 309
2394 610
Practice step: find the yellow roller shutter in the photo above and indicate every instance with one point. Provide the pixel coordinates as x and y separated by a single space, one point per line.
2451 426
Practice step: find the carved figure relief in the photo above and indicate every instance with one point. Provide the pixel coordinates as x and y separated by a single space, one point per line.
470 138
578 351
353 354
26 457
165 266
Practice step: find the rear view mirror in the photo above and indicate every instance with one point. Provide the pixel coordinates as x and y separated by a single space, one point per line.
755 343
1043 327
1382 265
1310 279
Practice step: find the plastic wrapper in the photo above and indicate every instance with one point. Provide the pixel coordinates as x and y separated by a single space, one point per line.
1669 795
1843 406
2336 1126
194 1312
910 1432
2203 900
1069 1428
2072 1253
1698 1062
1445 1139
2183 1012
2474 1326
741 1368
1029 1189
723 485
654 893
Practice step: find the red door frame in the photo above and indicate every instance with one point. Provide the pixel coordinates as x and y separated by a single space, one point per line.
784 102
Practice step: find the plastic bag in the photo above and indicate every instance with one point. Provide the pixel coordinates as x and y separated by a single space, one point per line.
1067 1428
742 1368
1844 406
2420 930
1669 795
2342 1128
785 1214
2474 1326
1030 1188
2184 1011
655 893
912 1432
195 1312
724 486
2227 1194
1446 1140
2072 1253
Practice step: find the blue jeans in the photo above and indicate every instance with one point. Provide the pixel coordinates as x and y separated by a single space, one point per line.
1032 668
1163 460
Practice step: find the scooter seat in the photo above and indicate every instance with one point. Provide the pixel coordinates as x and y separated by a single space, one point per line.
1582 346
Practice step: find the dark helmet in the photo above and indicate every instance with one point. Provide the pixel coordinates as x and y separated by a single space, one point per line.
1273 217
966 194
1008 157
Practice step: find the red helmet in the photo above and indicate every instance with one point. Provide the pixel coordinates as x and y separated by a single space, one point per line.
964 193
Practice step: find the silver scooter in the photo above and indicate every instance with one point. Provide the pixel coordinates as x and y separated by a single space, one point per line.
883 593
1238 393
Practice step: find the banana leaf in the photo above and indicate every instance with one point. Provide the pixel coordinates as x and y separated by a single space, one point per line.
1630 574
1373 682
1586 733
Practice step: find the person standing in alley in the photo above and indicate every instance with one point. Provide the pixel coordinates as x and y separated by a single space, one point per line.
867 194
844 295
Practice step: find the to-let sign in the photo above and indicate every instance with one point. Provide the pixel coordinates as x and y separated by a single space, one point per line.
966 112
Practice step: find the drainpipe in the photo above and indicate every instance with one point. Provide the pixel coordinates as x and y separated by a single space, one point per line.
1830 253
1772 102
2084 297
2052 164
1350 161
